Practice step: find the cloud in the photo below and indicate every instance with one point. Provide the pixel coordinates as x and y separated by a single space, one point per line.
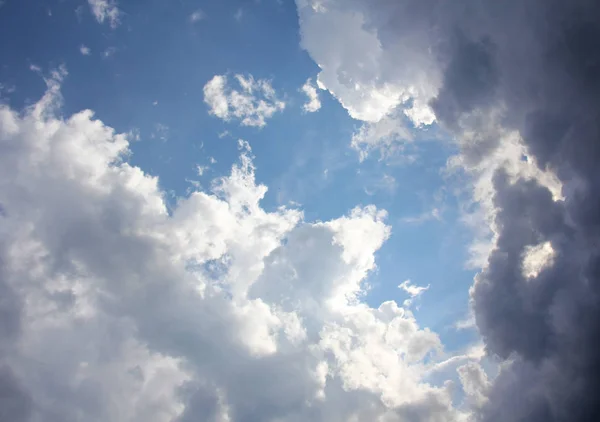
389 136
84 50
239 14
413 291
197 16
517 86
161 131
106 10
109 52
433 214
252 106
475 383
118 308
370 72
313 104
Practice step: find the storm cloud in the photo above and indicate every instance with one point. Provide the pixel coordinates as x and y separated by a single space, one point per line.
518 76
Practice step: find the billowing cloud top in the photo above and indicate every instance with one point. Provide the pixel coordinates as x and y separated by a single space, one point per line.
115 309
509 79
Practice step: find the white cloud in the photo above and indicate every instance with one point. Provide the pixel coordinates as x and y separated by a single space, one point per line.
313 104
256 102
216 309
412 289
106 10
109 52
197 16
369 79
537 258
85 50
382 74
161 131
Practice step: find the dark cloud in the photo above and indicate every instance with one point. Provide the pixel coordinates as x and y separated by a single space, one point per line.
15 404
539 62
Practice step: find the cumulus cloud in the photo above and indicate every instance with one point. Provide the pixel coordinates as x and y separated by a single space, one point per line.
377 70
313 104
84 50
197 16
252 105
516 83
117 308
106 11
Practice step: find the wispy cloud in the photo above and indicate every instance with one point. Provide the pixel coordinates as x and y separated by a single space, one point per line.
313 104
106 11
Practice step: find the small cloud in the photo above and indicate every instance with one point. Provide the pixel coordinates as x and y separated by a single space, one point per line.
197 16
133 135
256 102
86 51
433 214
467 323
224 134
313 103
7 89
239 14
413 291
109 52
155 103
212 160
106 10
386 183
160 132
537 258
200 170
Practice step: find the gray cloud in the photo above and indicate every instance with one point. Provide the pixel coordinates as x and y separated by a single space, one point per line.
540 63
497 70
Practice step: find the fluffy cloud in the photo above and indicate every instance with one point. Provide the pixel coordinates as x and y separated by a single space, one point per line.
376 69
106 10
516 83
85 50
115 308
358 66
255 103
313 104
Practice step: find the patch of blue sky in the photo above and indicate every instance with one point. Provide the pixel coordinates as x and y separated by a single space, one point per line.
147 76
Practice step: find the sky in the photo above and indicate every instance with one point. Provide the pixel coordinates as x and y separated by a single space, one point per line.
277 210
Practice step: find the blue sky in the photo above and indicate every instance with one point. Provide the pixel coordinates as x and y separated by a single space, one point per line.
147 75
